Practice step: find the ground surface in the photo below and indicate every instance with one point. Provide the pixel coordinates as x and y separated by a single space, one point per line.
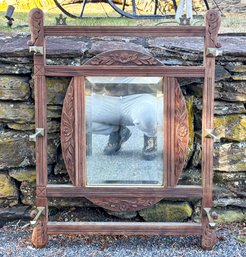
138 171
15 241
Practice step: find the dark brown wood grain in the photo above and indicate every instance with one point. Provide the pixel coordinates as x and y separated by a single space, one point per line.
128 228
212 27
137 71
36 24
123 57
209 238
181 133
179 192
213 21
80 131
67 132
126 31
169 131
124 204
39 237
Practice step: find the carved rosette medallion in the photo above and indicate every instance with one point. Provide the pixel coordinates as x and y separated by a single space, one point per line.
67 132
124 204
213 20
123 57
181 132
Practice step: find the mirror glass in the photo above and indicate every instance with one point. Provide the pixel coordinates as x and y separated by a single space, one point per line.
124 131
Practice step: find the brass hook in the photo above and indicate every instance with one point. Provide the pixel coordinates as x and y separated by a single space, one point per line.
211 217
38 133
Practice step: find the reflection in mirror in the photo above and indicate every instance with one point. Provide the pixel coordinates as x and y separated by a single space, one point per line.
124 131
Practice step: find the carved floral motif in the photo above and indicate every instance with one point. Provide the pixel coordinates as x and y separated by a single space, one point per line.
209 238
39 235
67 132
124 204
182 132
120 57
213 20
36 24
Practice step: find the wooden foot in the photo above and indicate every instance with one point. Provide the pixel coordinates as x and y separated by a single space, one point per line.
39 235
209 238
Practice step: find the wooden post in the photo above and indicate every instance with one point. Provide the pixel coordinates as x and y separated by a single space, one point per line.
176 132
212 26
169 135
39 237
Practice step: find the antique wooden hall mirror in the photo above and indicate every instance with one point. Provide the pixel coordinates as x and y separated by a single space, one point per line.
129 97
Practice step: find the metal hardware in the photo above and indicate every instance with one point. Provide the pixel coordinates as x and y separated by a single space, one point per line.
184 20
210 134
9 15
214 52
38 213
149 6
211 217
36 49
61 20
38 133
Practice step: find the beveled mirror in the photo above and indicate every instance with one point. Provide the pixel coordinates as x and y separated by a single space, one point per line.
124 124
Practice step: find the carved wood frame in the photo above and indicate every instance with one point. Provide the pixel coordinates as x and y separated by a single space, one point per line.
125 63
176 130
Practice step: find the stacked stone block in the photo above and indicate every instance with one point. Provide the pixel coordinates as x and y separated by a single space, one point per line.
17 154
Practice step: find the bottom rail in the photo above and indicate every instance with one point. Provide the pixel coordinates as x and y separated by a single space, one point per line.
125 228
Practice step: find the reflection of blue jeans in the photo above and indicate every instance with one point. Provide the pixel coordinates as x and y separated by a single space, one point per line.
106 113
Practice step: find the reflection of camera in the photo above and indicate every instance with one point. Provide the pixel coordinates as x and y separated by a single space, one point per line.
9 14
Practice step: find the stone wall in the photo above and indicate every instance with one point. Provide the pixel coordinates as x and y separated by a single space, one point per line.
17 154
231 6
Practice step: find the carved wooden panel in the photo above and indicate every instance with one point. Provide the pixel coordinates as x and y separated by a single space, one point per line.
67 132
117 57
181 132
36 25
123 57
124 204
209 237
39 235
213 21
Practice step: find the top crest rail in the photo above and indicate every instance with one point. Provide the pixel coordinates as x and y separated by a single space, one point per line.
133 31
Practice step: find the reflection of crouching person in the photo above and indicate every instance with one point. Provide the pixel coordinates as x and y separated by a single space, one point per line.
110 115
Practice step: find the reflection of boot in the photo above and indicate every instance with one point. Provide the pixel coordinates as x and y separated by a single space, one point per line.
116 139
150 148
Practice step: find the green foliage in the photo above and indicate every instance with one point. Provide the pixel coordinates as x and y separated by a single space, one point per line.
231 23
241 239
26 5
21 21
